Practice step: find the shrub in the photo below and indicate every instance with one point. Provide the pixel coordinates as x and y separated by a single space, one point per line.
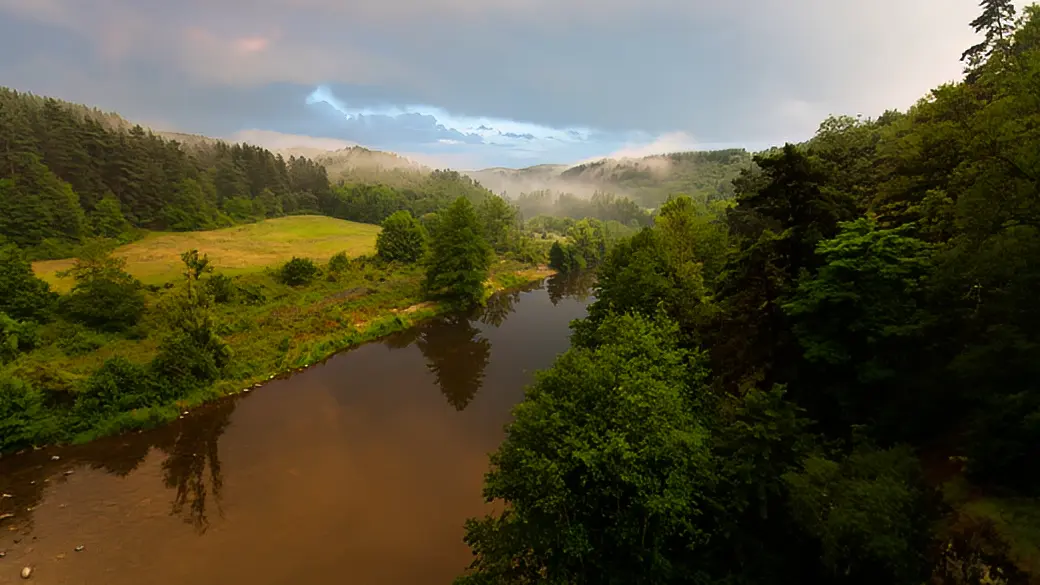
16 337
402 239
119 385
221 288
23 296
74 339
105 296
339 262
298 271
24 420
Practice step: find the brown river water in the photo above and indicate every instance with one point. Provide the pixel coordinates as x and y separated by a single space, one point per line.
358 470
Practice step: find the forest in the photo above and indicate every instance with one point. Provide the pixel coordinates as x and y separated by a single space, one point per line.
832 379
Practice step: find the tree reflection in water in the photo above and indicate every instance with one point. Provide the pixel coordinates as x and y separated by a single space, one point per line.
498 308
192 466
576 285
457 356
193 461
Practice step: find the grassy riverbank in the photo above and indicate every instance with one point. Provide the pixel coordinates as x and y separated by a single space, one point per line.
271 328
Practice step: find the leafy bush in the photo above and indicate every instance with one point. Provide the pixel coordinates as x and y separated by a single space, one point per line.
402 239
186 360
16 337
105 296
339 262
24 420
74 339
23 296
565 258
221 288
119 385
298 271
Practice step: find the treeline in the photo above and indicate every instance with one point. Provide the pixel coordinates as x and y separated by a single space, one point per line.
833 381
601 206
67 172
374 202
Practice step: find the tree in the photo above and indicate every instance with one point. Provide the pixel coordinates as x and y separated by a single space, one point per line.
606 471
104 296
998 22
23 296
402 238
460 259
861 322
498 219
107 219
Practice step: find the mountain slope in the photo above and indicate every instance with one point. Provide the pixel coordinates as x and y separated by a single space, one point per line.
648 181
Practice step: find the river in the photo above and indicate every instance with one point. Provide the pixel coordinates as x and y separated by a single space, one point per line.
359 470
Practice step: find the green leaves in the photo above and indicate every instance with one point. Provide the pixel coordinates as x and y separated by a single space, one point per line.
460 258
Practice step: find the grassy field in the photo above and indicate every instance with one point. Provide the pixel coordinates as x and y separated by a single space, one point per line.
236 250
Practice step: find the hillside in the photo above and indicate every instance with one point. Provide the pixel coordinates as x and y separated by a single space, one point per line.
245 248
648 181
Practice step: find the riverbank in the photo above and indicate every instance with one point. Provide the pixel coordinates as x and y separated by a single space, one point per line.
272 329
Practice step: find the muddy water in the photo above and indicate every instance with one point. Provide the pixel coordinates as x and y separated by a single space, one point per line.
360 470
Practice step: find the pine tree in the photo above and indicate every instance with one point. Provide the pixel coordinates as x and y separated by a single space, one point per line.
460 257
998 22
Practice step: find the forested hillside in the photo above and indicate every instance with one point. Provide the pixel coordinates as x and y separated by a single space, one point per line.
834 380
67 173
648 181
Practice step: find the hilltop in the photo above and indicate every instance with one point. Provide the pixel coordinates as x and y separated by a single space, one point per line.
648 181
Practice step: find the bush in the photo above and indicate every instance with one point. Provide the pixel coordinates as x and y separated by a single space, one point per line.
23 296
566 258
188 360
74 339
221 288
16 337
298 271
402 239
105 296
339 262
23 415
119 385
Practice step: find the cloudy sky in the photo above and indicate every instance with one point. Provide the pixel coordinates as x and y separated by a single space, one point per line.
474 83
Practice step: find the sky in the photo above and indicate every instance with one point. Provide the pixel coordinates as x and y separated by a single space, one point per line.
469 84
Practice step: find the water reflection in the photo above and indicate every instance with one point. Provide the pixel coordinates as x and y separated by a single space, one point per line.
191 466
498 308
193 462
576 285
457 356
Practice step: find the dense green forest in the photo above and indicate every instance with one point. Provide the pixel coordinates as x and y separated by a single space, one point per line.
69 173
834 380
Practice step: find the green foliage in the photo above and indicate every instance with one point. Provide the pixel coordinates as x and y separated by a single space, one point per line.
339 262
498 219
868 513
105 296
24 420
221 288
861 320
566 258
606 471
23 296
298 271
402 239
108 220
119 385
459 259
16 337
